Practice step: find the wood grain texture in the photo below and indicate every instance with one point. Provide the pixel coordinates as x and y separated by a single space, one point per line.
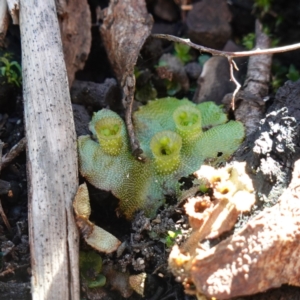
51 154
75 26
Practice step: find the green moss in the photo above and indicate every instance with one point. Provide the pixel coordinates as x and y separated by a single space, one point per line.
90 264
176 136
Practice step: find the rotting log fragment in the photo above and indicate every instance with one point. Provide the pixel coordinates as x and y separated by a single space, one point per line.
263 255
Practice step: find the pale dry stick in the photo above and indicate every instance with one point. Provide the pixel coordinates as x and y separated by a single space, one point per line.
186 7
52 167
3 21
228 55
232 65
13 8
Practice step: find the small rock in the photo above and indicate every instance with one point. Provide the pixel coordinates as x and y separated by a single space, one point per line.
166 10
81 119
193 70
208 23
96 95
214 82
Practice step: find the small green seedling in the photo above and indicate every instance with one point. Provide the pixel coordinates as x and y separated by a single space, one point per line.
11 70
171 237
90 265
248 41
293 73
182 52
263 5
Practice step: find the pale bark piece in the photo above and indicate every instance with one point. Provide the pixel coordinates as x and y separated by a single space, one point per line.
13 8
263 255
3 21
75 26
96 237
126 26
102 241
213 214
51 155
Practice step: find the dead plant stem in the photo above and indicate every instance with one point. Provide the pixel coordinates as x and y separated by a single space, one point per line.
227 54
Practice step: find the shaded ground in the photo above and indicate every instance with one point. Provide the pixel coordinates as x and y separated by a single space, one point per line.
146 248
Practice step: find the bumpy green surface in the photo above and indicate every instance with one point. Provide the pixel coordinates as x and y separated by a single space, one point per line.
181 144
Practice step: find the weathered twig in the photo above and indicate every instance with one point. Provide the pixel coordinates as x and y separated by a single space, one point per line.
13 153
228 55
232 65
4 218
128 98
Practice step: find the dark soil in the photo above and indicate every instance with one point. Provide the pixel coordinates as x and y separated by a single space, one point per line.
144 240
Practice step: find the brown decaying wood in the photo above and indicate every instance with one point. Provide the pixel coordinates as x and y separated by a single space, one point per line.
51 154
126 26
75 24
13 153
264 255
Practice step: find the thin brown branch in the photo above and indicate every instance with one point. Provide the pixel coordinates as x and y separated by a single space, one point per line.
13 153
227 54
128 98
4 218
